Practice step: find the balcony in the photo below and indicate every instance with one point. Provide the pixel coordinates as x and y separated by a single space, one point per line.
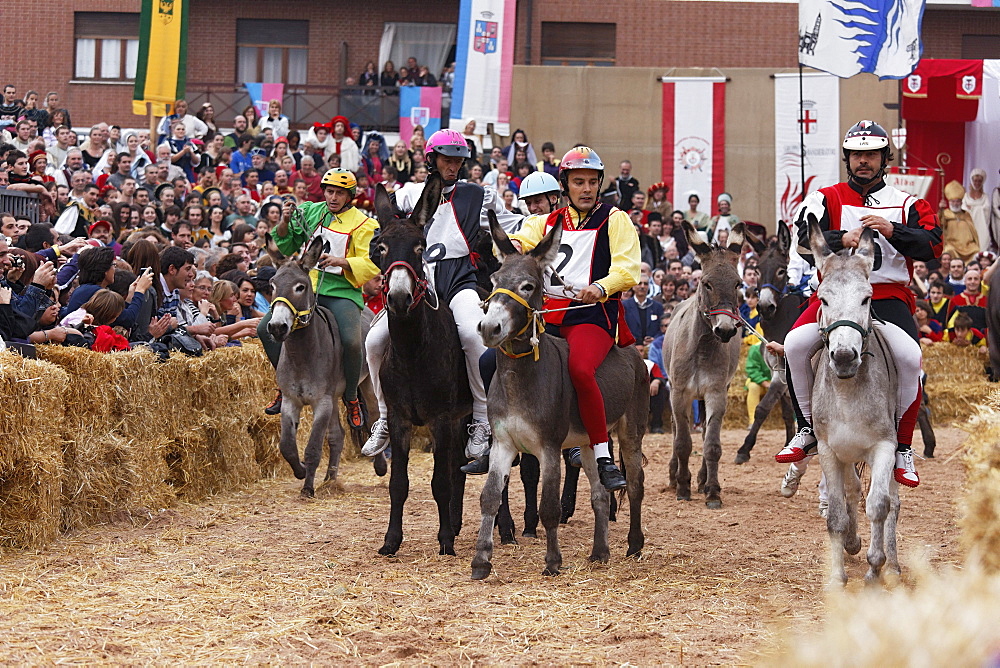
372 109
21 204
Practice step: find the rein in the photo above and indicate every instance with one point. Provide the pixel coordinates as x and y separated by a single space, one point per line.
422 290
536 320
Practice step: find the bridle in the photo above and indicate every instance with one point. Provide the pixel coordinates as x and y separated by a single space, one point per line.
300 319
536 320
423 286
824 332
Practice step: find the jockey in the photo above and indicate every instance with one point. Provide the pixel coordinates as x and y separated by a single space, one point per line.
451 236
605 262
540 193
905 229
338 277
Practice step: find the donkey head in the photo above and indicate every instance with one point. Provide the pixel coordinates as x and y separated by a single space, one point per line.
521 275
773 269
845 294
718 290
401 245
294 299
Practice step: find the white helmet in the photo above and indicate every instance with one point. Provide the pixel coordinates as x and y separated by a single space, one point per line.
538 183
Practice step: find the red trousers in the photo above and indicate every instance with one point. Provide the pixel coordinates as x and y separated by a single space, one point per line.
588 346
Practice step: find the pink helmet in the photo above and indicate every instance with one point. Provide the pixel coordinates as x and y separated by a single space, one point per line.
581 157
447 142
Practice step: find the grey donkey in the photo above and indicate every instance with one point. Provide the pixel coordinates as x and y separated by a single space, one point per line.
310 369
701 351
533 407
854 405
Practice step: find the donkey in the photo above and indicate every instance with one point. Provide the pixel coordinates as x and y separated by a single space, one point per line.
701 351
533 406
310 370
423 376
854 407
779 307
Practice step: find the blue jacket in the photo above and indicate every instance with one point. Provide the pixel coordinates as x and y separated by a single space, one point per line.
643 322
655 354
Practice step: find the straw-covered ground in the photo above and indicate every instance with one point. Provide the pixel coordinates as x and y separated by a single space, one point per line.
264 576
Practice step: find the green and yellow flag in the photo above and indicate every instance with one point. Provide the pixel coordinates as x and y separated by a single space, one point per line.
160 71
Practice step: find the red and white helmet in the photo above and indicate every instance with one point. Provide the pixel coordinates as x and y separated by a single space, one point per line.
447 142
581 157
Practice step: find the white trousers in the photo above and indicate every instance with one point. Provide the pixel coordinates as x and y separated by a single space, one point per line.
802 343
467 312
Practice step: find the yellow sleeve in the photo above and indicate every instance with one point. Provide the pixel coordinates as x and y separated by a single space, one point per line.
531 232
625 256
361 269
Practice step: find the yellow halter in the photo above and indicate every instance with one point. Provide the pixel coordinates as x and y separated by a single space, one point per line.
535 320
300 318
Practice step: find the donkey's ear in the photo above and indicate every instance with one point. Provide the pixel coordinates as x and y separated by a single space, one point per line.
272 251
500 237
695 239
817 241
429 200
737 236
312 254
866 248
547 249
784 238
384 209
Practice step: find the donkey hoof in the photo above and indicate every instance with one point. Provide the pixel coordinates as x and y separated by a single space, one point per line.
388 550
683 496
742 458
714 504
308 493
602 558
447 550
510 540
380 465
529 533
481 571
551 571
852 545
299 471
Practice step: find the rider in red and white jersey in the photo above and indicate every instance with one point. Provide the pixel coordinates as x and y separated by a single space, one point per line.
906 229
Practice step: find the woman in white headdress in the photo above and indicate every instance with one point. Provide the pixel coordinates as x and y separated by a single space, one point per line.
978 204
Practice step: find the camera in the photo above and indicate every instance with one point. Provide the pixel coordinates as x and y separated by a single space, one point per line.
16 261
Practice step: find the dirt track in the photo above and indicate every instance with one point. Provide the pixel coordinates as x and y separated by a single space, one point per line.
264 576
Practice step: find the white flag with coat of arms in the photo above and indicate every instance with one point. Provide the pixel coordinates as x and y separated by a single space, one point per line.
845 37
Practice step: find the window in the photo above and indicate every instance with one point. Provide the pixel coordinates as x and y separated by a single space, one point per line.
980 47
107 45
272 51
565 43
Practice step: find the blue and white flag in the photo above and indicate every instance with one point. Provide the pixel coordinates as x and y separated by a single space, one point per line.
484 65
845 37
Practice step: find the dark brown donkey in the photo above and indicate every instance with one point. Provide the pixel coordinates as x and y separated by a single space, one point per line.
701 352
533 406
423 376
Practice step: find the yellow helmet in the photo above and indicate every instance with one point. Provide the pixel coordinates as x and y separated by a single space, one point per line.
342 178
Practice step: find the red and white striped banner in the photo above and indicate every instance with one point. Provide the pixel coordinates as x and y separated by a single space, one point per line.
694 138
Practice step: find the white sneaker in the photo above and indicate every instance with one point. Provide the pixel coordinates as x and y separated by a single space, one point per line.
378 441
906 473
801 446
479 440
790 483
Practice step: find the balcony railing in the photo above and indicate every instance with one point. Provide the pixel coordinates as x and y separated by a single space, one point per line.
371 108
20 203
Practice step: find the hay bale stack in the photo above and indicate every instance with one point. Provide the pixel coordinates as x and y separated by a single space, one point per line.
956 381
108 472
947 619
31 464
980 520
736 404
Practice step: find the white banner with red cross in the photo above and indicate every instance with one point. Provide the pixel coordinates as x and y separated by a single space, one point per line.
819 120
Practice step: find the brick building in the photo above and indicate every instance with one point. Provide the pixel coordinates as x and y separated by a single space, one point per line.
85 49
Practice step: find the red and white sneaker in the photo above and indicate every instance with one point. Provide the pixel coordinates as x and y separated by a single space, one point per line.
801 445
906 473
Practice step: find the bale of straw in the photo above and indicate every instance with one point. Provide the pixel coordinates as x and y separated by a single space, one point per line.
980 521
948 619
956 381
31 467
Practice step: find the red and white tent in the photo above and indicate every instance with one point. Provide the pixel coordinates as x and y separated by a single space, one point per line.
952 114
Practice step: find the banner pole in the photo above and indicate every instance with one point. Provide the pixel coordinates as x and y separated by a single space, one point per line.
152 124
802 138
